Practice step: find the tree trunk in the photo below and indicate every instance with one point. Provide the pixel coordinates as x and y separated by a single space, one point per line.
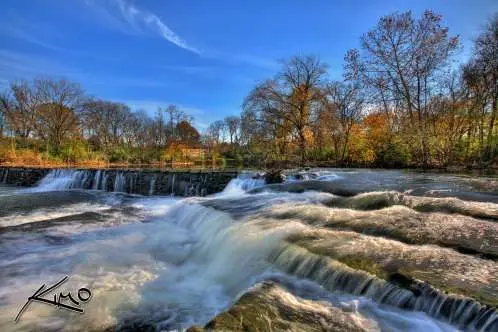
490 150
302 146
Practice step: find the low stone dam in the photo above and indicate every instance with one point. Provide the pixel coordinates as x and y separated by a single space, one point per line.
143 182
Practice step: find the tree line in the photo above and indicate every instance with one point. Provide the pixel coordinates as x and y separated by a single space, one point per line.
404 100
52 120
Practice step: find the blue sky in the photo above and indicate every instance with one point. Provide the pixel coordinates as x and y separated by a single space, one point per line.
202 55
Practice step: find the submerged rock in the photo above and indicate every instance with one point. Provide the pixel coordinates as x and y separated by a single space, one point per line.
274 176
388 285
269 307
465 234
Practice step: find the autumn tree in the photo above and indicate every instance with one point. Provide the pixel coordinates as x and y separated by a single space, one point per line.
20 108
105 121
56 120
345 101
402 57
289 100
215 131
174 117
481 76
187 134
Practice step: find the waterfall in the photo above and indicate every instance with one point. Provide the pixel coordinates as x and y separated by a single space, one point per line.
173 186
242 184
362 261
152 185
104 180
335 276
96 180
132 181
5 175
119 182
63 179
136 182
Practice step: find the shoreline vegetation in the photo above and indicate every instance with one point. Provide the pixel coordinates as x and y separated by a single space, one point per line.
405 101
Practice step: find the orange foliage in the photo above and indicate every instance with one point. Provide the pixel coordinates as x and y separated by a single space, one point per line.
377 127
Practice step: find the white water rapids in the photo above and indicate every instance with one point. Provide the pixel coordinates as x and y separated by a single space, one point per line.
172 263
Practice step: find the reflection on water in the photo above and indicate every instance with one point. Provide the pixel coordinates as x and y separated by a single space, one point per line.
366 250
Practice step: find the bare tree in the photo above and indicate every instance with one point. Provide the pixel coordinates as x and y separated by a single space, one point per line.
232 123
288 100
481 75
5 105
215 131
174 117
106 121
346 104
56 119
21 109
402 57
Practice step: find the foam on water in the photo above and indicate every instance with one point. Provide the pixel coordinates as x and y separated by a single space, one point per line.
241 185
180 262
49 214
319 175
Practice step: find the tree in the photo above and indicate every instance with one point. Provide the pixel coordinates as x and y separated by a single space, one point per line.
5 105
174 117
346 104
187 134
481 76
21 109
55 124
215 131
56 120
232 124
289 100
106 121
403 57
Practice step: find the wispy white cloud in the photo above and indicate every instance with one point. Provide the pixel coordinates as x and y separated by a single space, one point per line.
45 36
21 34
15 26
127 16
15 65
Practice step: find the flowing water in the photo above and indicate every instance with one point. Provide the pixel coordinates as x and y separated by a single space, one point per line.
358 250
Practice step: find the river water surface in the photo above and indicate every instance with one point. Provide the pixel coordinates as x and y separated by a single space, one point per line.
361 250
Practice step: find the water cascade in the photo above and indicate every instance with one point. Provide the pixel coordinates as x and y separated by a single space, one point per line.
386 256
419 296
152 185
136 182
119 182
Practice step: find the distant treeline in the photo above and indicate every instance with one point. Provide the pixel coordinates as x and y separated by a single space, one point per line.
47 121
404 101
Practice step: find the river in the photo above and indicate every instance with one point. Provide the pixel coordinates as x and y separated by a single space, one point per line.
330 249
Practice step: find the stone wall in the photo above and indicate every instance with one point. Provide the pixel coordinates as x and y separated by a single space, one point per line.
144 182
20 176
